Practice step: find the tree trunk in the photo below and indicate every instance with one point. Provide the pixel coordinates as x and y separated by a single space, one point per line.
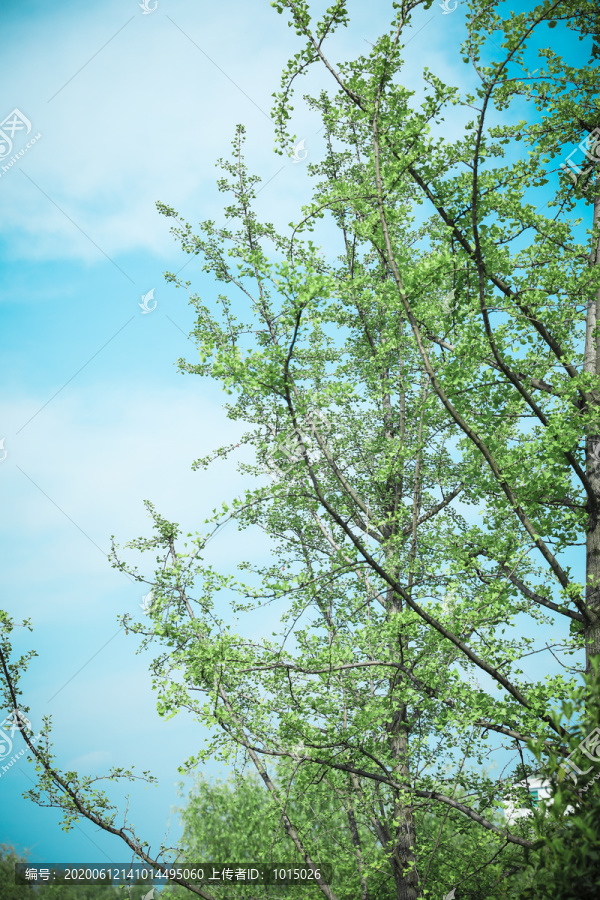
403 858
364 887
402 852
591 364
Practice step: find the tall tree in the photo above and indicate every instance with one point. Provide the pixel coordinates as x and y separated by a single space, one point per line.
443 367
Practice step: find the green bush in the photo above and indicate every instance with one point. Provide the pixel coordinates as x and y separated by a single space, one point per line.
566 863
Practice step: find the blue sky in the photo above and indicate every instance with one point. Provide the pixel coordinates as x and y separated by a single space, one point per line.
131 108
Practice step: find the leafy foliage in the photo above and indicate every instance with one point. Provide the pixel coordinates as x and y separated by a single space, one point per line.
566 860
238 822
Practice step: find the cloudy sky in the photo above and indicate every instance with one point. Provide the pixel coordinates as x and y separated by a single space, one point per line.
131 107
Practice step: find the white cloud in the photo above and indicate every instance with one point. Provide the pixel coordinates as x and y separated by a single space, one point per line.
89 461
91 762
147 117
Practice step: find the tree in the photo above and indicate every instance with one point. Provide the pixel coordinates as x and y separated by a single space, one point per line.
239 822
435 370
8 858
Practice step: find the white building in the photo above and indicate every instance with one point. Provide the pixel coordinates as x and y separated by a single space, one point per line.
539 789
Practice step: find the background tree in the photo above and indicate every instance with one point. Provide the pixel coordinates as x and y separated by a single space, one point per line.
8 891
238 821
